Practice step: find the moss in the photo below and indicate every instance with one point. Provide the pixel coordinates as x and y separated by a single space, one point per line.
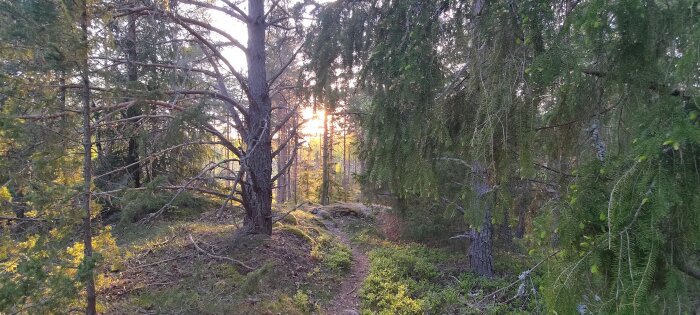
298 232
301 300
290 219
338 258
252 280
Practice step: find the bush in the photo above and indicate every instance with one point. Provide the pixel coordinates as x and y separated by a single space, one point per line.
399 280
334 256
137 204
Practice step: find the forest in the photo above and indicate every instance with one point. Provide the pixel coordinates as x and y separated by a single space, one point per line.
349 157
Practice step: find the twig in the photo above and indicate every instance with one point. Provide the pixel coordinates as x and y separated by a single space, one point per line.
22 219
156 263
353 290
290 211
521 277
238 262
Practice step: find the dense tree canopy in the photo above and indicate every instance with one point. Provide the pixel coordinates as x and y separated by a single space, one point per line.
592 106
561 134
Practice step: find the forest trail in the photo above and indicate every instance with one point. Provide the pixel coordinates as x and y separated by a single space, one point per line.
347 300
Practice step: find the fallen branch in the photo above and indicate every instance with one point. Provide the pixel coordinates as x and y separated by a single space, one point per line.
22 219
157 262
290 211
353 290
238 262
521 277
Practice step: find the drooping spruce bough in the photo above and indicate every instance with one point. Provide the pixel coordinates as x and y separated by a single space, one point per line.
590 108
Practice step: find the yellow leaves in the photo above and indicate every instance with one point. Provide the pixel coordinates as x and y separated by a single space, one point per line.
29 243
103 244
106 244
77 252
9 266
5 195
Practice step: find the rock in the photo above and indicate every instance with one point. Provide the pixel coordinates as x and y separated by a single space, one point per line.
349 312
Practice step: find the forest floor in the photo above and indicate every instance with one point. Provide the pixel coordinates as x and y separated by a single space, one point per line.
345 258
347 299
194 265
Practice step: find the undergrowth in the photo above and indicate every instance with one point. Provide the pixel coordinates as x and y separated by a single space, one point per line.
413 278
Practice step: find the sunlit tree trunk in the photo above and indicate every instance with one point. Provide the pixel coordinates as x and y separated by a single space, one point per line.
257 193
325 184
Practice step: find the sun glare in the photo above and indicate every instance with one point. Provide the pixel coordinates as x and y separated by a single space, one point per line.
314 122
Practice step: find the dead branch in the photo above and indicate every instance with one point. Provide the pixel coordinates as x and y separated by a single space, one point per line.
238 262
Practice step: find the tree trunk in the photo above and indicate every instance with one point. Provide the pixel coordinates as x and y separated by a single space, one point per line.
346 177
91 299
257 190
132 156
325 183
296 166
481 248
504 230
523 204
281 161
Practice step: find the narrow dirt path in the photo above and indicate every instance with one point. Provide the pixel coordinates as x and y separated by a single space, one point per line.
347 300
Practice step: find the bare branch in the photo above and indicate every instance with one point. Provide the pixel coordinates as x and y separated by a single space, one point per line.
284 67
288 164
284 121
238 262
233 6
212 28
238 15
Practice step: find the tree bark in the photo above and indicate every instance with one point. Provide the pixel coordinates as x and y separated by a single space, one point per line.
480 251
257 189
481 248
283 157
132 76
325 181
523 204
91 307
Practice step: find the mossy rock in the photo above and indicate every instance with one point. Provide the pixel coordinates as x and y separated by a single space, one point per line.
291 219
296 231
341 211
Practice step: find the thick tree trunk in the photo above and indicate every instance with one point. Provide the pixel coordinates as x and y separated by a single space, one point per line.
480 251
257 190
481 248
91 307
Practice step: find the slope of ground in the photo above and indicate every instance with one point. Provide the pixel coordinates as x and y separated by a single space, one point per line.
339 259
194 266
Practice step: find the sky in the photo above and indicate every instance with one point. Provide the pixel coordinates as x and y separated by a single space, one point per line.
237 29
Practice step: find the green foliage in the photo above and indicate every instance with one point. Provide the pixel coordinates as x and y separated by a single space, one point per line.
301 300
398 280
334 256
137 204
338 258
602 96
